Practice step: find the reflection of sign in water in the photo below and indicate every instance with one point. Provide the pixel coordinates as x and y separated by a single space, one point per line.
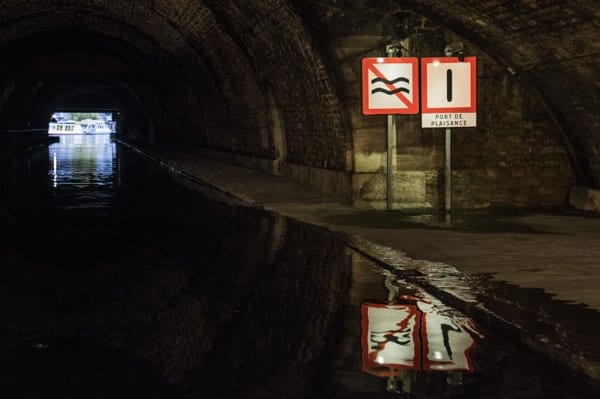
413 335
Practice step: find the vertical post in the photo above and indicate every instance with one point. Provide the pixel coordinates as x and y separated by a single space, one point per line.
391 51
391 158
448 173
448 51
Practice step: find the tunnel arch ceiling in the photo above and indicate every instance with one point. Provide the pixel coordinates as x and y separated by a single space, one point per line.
126 57
215 78
210 64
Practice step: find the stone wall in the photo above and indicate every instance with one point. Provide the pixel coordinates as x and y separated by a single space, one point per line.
282 56
514 157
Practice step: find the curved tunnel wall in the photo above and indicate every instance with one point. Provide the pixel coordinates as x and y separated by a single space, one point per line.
207 75
551 47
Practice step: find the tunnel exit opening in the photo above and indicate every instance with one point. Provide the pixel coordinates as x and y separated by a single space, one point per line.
82 123
84 155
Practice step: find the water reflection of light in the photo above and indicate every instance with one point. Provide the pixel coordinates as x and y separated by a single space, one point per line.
84 161
55 179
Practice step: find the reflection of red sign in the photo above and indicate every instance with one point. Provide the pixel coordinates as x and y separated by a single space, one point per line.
412 336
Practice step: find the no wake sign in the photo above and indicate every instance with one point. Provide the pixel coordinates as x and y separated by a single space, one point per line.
390 85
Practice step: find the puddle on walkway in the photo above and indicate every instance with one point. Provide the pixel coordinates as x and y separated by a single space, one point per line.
165 293
501 221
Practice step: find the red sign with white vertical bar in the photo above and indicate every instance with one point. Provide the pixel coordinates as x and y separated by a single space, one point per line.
390 85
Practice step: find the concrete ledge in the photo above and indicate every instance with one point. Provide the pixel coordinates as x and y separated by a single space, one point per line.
585 198
7 152
263 164
335 183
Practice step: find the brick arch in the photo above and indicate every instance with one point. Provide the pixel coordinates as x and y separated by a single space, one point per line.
119 98
170 45
220 57
88 61
550 46
286 57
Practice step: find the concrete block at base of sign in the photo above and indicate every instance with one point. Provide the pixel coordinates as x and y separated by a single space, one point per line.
409 191
585 198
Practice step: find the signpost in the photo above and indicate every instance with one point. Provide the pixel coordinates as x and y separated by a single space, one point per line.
449 99
448 92
390 86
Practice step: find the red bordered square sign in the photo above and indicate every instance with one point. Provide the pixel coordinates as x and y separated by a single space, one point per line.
449 92
390 85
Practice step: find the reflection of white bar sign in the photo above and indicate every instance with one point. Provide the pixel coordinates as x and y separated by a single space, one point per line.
412 336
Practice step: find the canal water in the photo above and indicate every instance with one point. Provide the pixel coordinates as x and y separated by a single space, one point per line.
121 279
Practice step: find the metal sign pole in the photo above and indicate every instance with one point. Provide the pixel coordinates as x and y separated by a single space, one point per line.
458 108
448 156
448 174
391 155
391 51
391 76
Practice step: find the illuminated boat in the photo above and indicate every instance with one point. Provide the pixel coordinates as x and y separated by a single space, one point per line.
95 126
64 128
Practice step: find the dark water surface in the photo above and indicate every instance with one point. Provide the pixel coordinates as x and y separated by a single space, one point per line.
119 282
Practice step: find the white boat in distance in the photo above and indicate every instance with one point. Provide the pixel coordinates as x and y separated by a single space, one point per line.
64 127
95 126
86 126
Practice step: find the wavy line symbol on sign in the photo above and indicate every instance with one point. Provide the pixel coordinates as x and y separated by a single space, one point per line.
390 83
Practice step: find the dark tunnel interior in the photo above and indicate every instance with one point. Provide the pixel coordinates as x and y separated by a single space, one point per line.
123 264
274 81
